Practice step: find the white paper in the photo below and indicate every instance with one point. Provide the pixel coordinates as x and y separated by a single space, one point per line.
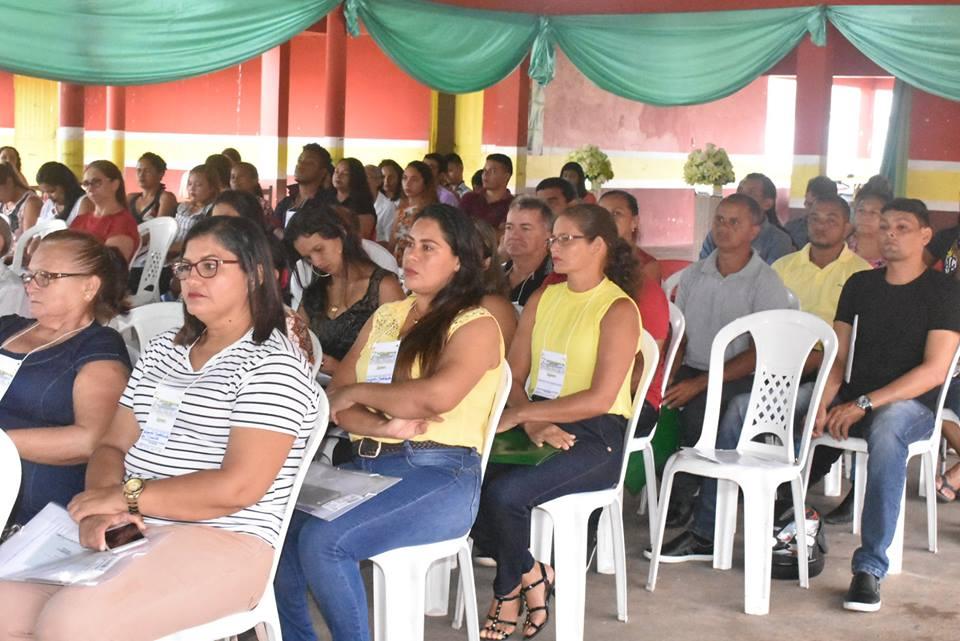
329 492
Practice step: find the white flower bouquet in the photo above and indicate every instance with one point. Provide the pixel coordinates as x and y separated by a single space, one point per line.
596 164
708 166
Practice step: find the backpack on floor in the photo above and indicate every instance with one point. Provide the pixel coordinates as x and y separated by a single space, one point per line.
785 564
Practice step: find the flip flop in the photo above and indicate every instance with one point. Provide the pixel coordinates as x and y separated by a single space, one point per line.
942 497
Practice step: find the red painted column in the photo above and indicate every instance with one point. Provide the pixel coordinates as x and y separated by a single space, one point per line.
117 124
70 129
274 120
334 113
811 133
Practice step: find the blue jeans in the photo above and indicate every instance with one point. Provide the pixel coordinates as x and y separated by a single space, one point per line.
436 500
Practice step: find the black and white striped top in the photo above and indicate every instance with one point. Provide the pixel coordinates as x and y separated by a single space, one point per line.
265 386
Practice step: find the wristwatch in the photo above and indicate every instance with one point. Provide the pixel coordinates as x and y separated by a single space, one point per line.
863 402
132 489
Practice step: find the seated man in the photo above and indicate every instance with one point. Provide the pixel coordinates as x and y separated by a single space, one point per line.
816 274
771 242
493 200
557 193
818 187
730 283
528 226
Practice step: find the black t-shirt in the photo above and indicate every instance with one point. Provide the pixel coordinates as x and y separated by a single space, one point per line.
942 241
322 197
892 326
522 292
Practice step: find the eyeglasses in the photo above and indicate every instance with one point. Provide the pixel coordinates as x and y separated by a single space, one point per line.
92 184
562 239
43 278
206 268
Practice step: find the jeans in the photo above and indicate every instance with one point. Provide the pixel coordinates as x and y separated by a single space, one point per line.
436 500
510 492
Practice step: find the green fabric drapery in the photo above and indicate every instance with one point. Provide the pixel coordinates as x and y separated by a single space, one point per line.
124 42
897 146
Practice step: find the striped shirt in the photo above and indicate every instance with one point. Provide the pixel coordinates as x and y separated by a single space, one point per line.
266 386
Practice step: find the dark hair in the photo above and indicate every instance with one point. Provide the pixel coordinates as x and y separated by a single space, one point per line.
211 175
558 183
106 263
821 186
252 170
8 172
112 172
628 198
59 175
429 180
244 239
756 214
425 341
314 148
581 185
247 205
232 154
838 201
494 280
769 190
502 160
476 181
877 186
158 163
395 166
439 159
594 221
19 163
6 236
222 166
360 200
883 196
911 206
535 204
453 159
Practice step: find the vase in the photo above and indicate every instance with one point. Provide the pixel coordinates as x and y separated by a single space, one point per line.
709 190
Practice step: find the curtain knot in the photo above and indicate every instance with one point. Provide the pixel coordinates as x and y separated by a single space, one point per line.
351 10
543 59
817 25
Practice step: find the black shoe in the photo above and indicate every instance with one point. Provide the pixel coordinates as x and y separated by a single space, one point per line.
680 513
864 593
686 547
843 513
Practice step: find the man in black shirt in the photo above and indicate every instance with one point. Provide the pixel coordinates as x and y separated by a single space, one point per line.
529 223
907 318
311 173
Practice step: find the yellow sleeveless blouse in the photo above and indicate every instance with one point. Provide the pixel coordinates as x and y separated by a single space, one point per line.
466 424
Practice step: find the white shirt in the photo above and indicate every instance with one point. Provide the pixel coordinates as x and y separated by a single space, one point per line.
13 295
49 210
386 214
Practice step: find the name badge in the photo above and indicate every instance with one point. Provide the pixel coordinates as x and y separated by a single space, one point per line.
383 359
8 371
550 375
163 412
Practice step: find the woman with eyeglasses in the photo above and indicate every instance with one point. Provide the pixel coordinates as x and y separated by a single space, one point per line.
62 373
576 343
110 221
200 455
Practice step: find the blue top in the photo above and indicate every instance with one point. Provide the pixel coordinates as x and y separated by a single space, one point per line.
770 244
41 395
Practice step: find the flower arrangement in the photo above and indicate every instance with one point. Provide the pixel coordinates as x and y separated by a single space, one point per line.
596 164
708 166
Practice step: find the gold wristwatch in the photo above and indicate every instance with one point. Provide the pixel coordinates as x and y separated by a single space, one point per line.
132 489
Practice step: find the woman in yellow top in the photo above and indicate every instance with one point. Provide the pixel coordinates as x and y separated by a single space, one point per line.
415 393
577 341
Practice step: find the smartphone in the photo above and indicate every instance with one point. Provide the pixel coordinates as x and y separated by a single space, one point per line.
123 536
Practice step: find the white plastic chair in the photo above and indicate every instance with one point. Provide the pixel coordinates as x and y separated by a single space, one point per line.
563 522
39 230
306 275
783 339
317 354
9 476
142 323
928 449
671 282
400 575
381 256
792 301
160 232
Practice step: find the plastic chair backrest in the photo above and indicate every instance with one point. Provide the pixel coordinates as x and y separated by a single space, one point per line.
496 410
792 301
678 325
317 353
783 339
161 232
671 282
9 476
147 321
306 275
40 230
651 358
381 256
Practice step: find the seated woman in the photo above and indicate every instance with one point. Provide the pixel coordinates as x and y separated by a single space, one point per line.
11 156
65 197
208 480
350 287
203 185
353 192
866 236
415 394
13 297
67 370
245 177
109 222
573 173
419 191
392 174
495 286
623 207
577 341
154 201
18 203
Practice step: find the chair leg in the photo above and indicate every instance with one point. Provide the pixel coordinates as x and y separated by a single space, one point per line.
832 481
620 558
656 536
541 535
757 527
467 591
398 602
570 541
895 551
928 462
859 488
460 604
437 598
606 563
725 525
800 517
650 489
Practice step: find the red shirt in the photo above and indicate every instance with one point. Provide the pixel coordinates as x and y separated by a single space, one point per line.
122 223
655 317
476 206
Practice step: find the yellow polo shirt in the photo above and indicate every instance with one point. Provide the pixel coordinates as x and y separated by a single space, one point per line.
818 290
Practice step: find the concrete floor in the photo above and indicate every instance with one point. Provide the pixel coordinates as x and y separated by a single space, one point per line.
693 601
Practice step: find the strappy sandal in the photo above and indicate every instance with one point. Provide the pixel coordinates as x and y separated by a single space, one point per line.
494 622
942 496
547 594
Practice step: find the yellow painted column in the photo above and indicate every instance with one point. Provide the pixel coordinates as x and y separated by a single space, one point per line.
70 131
468 129
36 116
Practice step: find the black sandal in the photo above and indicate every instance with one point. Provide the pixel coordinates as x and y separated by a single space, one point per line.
548 593
494 622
